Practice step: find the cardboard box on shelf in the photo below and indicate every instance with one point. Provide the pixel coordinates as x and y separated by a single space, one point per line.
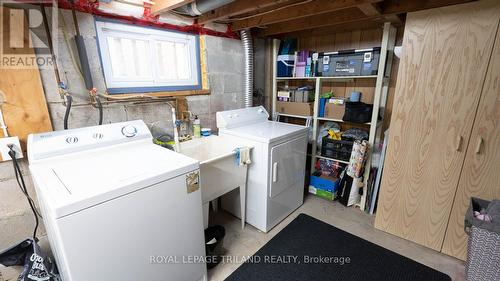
334 111
295 108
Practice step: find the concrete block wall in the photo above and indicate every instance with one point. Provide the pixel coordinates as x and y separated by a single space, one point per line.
225 72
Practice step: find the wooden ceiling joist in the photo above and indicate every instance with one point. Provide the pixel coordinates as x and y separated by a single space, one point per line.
387 10
370 9
161 6
332 18
308 8
236 8
368 24
404 6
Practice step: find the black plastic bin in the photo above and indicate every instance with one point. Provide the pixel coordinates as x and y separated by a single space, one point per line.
483 255
358 112
337 149
214 237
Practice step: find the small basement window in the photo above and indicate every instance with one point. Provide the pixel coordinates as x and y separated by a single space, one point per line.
141 59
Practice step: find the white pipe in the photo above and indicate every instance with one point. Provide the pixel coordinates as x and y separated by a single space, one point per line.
176 134
199 7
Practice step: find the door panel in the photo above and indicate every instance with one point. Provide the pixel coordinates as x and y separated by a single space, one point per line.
287 165
441 74
480 176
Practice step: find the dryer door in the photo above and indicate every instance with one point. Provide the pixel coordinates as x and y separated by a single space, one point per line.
288 161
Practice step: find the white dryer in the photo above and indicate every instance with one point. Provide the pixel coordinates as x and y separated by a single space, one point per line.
115 205
275 183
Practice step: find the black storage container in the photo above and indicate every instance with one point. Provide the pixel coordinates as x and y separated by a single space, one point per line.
358 112
337 149
214 237
349 63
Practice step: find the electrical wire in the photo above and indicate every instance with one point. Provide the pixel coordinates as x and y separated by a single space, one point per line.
69 100
20 182
99 106
22 186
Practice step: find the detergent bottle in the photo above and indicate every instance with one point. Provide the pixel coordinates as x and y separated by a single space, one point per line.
196 127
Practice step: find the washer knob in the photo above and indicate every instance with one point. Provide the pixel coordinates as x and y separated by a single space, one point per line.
129 131
97 136
71 140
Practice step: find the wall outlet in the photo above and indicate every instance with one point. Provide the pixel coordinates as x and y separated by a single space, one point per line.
4 148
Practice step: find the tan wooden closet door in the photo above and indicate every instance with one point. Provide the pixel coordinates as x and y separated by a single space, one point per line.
481 173
441 74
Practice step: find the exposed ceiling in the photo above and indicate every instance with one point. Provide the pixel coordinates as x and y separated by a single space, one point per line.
280 18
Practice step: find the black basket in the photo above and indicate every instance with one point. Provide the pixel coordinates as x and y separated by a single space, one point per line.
337 149
358 112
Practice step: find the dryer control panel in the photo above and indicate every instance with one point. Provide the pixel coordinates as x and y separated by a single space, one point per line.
241 117
51 144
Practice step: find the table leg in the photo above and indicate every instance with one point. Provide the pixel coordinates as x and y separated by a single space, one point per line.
205 215
243 204
215 205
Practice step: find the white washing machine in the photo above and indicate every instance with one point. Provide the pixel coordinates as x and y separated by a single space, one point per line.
116 206
275 183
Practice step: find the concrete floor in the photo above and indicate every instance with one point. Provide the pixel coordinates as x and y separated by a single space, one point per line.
246 242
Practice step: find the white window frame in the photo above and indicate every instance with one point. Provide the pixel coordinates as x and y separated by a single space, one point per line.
106 29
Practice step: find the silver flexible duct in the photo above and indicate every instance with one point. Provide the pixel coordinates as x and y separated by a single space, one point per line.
246 40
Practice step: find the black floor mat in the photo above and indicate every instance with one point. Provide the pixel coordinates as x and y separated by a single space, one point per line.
324 252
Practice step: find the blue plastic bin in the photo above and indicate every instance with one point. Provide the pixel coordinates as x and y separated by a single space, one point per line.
285 65
324 184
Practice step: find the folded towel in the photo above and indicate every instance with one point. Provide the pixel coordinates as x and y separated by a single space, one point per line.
243 156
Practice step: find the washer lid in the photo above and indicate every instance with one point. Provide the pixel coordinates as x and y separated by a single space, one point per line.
267 131
70 184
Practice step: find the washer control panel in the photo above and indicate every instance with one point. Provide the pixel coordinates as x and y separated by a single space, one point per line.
41 146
